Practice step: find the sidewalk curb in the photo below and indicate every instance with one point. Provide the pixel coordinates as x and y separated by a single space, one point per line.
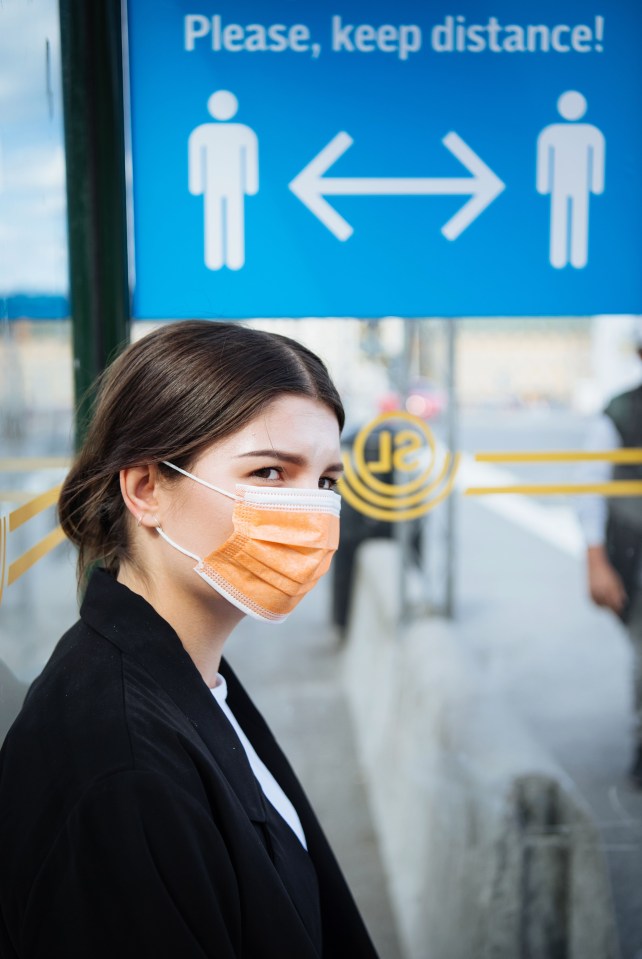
489 848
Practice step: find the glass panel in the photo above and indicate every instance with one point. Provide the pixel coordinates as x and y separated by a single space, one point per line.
36 394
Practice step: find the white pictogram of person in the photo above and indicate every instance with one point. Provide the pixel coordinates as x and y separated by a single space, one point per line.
570 166
223 167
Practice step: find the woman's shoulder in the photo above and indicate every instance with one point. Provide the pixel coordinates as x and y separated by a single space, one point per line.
94 709
72 717
93 715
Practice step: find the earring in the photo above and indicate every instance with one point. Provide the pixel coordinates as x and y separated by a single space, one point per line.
140 520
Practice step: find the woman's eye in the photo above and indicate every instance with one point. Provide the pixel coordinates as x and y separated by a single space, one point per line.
268 473
328 482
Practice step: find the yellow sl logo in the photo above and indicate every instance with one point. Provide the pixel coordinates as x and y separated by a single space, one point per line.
397 451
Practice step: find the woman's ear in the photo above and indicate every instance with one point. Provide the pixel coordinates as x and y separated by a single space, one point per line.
139 487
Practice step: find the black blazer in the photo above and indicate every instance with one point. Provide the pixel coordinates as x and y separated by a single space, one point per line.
131 823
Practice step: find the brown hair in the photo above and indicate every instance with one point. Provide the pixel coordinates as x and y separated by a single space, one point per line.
168 397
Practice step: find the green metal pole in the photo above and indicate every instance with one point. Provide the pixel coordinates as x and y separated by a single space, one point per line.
91 48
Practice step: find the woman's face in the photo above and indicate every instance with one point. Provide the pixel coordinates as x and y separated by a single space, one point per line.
293 442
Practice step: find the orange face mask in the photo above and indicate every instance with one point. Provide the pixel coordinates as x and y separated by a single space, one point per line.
282 543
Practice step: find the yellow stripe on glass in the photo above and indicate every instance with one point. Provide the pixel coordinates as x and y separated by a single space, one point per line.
616 488
33 507
17 518
609 489
26 464
27 560
561 456
3 551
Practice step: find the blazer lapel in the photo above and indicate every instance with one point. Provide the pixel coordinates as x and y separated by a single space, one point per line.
259 733
136 628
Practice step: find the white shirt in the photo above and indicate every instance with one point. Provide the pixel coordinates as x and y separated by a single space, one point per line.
592 509
271 789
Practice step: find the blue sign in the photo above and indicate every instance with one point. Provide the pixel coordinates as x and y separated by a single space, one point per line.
386 158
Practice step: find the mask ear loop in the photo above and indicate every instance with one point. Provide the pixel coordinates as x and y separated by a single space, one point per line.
180 549
197 479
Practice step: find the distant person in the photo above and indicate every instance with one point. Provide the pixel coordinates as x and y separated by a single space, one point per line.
145 808
613 533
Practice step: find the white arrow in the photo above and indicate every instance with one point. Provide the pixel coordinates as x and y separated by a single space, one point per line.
310 186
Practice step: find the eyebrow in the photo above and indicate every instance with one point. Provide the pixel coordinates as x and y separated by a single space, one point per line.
289 458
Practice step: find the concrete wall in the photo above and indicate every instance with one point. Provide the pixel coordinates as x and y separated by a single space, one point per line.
489 851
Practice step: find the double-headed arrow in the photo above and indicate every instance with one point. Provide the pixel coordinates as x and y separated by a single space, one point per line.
311 187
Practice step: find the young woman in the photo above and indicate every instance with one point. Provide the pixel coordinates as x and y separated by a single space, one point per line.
145 808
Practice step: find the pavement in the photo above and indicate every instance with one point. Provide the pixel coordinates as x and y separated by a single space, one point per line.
565 667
